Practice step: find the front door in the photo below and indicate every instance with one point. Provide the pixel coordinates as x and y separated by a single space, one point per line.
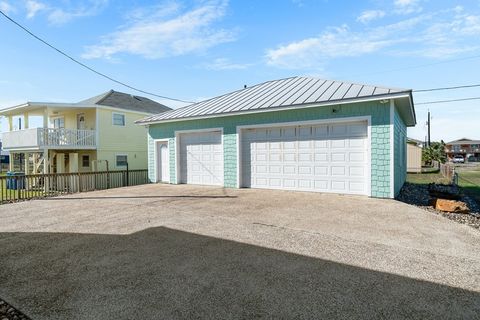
81 121
163 168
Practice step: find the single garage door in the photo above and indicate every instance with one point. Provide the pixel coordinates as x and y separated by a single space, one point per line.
323 158
201 158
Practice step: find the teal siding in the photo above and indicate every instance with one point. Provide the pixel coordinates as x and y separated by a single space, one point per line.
380 134
400 152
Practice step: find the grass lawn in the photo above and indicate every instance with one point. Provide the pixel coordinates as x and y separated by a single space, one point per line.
469 181
426 178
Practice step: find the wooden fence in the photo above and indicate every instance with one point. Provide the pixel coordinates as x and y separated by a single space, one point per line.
25 187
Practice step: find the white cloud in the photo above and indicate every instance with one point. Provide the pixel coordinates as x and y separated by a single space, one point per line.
225 64
370 15
407 6
334 43
33 7
442 34
156 36
57 15
6 7
61 16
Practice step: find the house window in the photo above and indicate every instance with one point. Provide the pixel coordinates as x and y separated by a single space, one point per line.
456 148
59 123
86 161
121 160
118 119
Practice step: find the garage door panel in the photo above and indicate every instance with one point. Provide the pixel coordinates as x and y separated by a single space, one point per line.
320 131
339 185
308 170
321 157
324 158
356 171
338 157
356 143
338 170
357 157
201 158
337 143
321 170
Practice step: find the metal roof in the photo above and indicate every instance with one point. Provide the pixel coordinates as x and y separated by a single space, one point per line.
294 91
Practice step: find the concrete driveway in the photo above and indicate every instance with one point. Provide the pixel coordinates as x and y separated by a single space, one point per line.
183 252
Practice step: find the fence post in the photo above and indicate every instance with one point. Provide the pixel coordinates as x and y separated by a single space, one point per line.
127 175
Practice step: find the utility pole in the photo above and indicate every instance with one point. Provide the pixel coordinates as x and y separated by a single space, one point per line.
428 128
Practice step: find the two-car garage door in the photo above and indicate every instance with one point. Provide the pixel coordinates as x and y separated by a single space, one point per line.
323 158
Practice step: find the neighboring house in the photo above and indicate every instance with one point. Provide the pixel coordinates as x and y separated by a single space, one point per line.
414 156
468 148
415 142
79 137
297 133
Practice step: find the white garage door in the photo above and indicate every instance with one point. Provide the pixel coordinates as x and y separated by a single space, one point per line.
323 158
201 158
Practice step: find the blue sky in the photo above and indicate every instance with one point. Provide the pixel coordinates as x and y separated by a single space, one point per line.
197 49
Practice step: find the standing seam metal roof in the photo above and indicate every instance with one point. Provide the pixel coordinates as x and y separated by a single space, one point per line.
294 91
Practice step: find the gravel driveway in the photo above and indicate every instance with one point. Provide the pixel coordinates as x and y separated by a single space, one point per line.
183 252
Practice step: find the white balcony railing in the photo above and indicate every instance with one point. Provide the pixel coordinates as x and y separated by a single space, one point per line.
49 138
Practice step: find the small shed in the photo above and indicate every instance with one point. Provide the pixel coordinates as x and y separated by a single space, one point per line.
414 158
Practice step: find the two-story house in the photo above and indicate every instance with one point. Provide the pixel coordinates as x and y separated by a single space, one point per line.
468 148
92 135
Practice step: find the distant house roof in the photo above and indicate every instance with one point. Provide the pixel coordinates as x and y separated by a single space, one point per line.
415 141
110 98
277 94
464 141
126 101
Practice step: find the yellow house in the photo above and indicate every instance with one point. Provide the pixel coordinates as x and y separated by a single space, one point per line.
92 135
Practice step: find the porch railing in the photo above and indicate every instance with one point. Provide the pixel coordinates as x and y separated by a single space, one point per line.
35 186
66 137
49 137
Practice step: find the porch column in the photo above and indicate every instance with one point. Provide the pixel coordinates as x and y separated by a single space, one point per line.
73 162
60 158
45 118
46 161
25 120
26 162
10 162
10 123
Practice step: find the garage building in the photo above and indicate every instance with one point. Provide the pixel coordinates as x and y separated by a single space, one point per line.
298 133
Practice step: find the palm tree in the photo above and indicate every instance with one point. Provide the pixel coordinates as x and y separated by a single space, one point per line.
434 152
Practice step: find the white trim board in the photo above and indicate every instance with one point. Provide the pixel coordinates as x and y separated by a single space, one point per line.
368 119
392 149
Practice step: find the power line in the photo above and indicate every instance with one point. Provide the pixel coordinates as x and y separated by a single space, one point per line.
448 88
445 101
87 67
419 66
